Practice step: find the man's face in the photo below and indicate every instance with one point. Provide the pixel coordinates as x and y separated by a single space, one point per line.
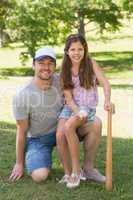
44 68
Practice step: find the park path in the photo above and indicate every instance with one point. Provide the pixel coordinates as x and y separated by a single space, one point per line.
123 99
123 118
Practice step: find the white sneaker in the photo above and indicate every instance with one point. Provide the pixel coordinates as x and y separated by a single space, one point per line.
94 175
64 179
74 181
82 175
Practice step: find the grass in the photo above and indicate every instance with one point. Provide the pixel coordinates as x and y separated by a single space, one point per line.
51 190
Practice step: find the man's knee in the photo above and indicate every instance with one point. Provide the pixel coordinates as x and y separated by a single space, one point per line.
39 175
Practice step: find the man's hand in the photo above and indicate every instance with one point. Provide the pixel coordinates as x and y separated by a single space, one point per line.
17 172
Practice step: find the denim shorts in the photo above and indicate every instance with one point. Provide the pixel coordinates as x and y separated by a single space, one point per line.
38 152
67 112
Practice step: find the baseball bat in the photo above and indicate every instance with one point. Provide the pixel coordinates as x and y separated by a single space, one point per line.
109 150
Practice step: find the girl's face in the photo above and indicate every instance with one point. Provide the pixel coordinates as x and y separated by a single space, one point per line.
76 52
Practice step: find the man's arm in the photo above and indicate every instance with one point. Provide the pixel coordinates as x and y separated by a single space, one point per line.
18 170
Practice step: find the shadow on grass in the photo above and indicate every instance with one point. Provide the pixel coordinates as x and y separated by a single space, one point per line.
112 62
51 190
23 71
122 86
6 125
115 61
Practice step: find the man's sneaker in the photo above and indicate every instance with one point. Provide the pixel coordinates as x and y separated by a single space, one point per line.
64 179
74 181
82 175
95 175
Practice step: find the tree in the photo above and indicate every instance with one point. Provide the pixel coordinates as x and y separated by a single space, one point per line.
37 22
105 13
5 8
127 7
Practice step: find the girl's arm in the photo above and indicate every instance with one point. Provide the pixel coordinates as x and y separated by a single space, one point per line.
69 100
104 82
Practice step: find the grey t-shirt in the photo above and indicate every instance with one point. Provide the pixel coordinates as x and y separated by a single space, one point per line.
40 107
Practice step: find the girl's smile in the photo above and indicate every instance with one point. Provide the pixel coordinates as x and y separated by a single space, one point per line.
76 52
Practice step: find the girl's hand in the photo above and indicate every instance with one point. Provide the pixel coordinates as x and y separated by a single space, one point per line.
107 105
82 114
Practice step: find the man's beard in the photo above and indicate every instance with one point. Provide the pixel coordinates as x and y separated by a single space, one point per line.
44 78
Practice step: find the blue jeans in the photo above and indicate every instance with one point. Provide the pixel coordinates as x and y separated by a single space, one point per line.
38 152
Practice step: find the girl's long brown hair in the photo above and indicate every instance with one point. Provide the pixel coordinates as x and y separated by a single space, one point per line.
85 71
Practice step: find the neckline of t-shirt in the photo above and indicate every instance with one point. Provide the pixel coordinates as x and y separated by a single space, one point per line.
39 89
75 75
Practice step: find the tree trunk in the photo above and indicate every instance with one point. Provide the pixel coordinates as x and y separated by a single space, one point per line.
81 28
4 38
1 38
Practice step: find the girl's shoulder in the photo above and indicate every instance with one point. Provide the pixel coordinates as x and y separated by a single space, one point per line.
93 61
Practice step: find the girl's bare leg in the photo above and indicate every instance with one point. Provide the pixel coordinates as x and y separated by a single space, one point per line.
73 142
62 146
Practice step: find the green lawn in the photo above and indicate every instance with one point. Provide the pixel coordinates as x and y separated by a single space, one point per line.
25 189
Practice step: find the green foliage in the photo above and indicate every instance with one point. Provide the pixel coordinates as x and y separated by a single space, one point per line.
127 5
104 13
41 22
23 57
5 7
16 72
37 23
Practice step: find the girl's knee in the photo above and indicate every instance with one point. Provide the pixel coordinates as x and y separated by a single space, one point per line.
98 122
97 126
40 175
69 126
60 136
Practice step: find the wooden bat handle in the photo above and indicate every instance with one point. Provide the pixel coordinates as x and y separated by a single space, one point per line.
109 150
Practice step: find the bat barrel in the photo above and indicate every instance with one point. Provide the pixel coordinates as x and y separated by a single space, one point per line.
108 183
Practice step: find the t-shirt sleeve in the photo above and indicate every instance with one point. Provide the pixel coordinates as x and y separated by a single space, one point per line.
20 106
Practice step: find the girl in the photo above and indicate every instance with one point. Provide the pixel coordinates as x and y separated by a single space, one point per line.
78 78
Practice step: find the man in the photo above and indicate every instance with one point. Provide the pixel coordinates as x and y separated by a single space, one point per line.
36 109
